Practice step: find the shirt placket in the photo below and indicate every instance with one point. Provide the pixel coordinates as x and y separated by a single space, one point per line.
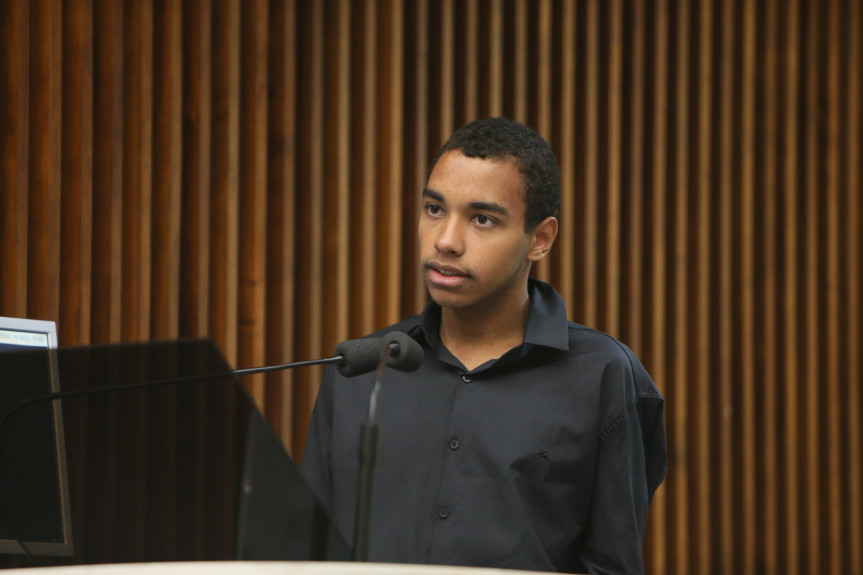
450 495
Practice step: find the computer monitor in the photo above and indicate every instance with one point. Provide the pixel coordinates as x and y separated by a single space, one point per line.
34 495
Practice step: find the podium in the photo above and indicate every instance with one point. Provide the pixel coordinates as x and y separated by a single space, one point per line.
176 472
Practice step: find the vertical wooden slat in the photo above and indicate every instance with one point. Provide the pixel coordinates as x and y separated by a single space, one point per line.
337 167
468 62
43 242
678 245
611 275
675 503
137 169
633 124
14 154
519 69
791 295
747 438
589 223
363 250
830 374
724 276
496 64
813 527
281 226
224 206
251 292
567 230
390 147
702 447
167 170
443 44
310 112
542 106
77 170
107 256
769 526
854 212
197 136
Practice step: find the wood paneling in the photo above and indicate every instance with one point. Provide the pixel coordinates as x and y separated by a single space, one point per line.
251 171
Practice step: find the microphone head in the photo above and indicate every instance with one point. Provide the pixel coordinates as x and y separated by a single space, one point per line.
360 355
408 355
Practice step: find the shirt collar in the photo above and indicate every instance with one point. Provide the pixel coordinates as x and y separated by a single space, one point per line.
546 325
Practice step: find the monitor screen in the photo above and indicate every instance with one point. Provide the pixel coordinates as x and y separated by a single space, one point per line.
34 501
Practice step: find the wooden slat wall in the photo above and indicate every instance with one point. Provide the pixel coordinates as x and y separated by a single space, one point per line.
250 171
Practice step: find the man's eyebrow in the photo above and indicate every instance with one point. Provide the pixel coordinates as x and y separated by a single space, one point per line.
489 207
480 206
436 196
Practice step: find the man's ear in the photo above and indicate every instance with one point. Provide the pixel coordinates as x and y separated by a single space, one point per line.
541 239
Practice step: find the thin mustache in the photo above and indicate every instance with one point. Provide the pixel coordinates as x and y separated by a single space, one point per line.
446 268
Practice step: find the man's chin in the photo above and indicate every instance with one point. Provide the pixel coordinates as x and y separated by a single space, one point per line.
447 298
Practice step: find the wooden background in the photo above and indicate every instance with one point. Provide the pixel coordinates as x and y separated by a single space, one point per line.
250 170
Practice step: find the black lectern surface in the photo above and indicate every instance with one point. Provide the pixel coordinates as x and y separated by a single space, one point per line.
157 473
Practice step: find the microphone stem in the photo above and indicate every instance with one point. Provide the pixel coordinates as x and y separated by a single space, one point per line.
368 461
392 347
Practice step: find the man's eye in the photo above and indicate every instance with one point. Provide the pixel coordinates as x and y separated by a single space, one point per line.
483 221
433 209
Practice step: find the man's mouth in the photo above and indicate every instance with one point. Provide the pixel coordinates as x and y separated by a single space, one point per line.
446 270
446 276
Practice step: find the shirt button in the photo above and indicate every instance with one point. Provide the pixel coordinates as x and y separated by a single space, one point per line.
465 378
453 444
443 512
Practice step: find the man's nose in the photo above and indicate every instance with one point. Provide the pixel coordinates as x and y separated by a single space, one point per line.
450 240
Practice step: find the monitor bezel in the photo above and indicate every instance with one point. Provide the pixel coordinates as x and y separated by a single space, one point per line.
45 548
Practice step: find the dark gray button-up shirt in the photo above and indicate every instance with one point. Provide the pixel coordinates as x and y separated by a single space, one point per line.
544 459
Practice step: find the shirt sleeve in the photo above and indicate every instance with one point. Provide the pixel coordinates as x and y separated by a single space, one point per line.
316 465
630 465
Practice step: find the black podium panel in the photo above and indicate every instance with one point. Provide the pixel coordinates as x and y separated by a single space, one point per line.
155 473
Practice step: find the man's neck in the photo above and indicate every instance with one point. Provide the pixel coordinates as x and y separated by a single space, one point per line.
475 336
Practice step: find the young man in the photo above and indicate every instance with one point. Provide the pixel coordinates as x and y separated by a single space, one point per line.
524 441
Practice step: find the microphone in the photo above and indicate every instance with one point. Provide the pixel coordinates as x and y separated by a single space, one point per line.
363 355
359 355
405 353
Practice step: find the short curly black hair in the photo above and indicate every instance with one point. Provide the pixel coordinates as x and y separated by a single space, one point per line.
503 139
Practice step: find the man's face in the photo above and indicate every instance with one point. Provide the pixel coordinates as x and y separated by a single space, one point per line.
473 245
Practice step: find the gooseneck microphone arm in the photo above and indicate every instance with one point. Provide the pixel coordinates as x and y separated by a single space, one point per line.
337 359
